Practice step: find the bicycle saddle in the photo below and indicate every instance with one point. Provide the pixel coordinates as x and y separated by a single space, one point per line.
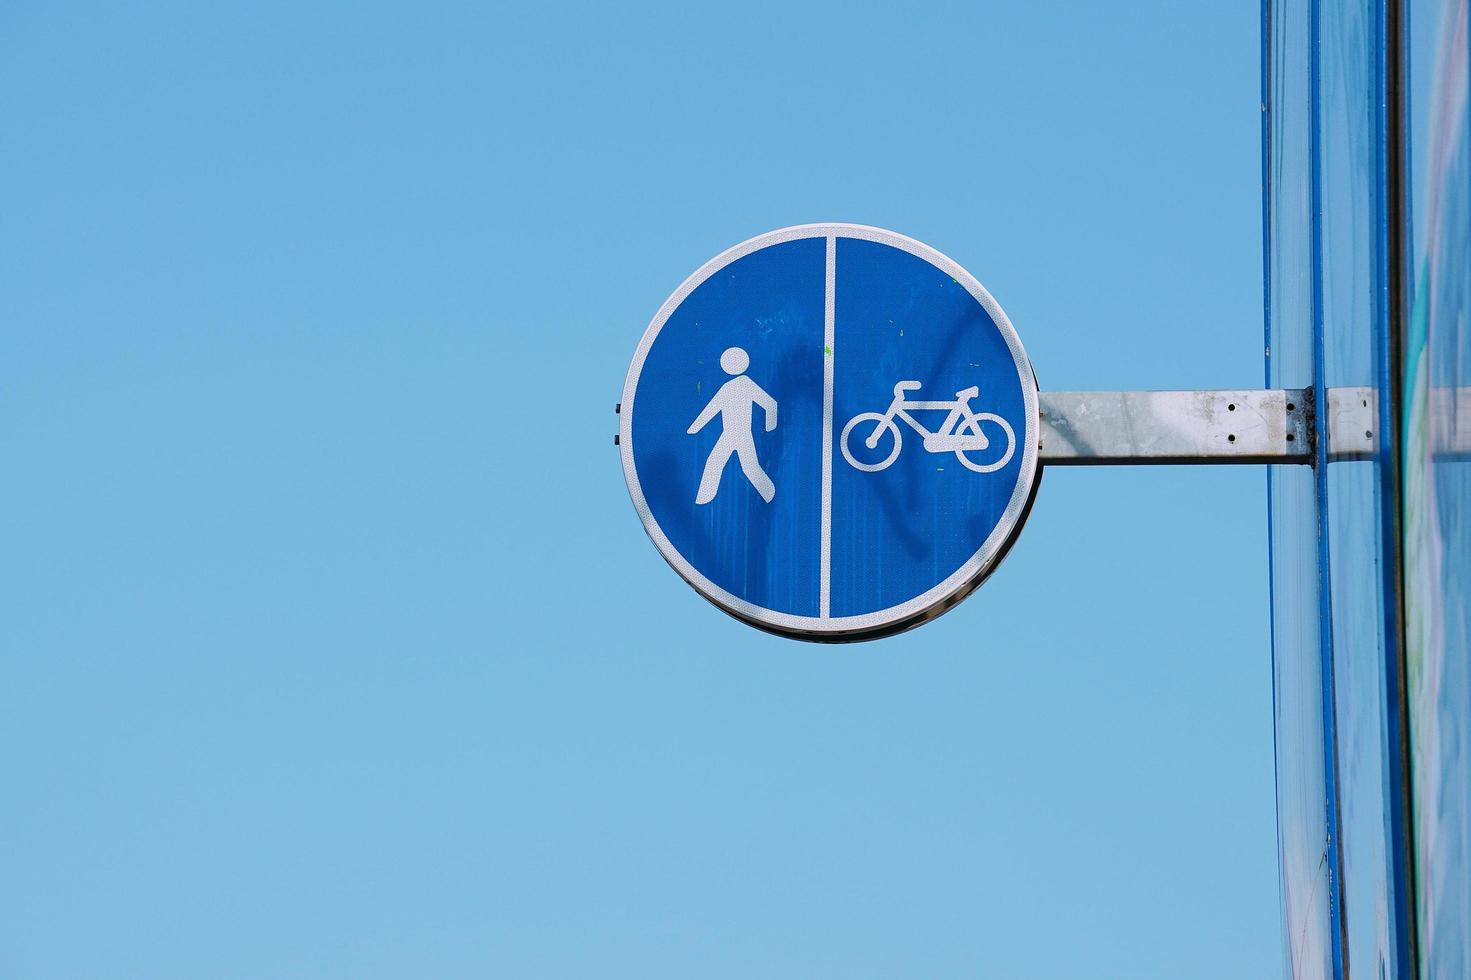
970 392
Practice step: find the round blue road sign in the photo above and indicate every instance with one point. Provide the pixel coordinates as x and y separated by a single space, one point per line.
830 431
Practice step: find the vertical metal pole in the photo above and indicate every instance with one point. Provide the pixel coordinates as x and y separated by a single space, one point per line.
1392 259
1334 844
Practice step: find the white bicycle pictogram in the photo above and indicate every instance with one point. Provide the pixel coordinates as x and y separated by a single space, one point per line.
961 432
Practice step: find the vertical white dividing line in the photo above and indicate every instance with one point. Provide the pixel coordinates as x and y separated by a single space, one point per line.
825 576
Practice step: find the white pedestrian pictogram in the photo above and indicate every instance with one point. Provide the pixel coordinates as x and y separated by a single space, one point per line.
960 433
733 404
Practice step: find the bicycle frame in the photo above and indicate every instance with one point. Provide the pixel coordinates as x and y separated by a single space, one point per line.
942 439
960 433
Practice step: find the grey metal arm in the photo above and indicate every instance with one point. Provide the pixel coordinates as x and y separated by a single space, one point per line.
1092 428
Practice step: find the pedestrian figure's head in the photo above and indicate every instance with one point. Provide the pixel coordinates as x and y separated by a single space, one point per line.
734 361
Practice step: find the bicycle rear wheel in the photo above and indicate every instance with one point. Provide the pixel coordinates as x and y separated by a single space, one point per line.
1002 443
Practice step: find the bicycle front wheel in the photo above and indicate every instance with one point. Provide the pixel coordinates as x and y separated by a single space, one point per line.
863 439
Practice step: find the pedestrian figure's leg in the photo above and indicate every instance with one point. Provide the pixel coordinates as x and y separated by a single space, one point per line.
714 466
751 466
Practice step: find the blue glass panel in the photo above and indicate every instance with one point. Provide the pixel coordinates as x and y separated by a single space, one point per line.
1437 508
1302 812
1334 558
1358 495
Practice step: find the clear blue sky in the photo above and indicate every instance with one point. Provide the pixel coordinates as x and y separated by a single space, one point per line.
331 644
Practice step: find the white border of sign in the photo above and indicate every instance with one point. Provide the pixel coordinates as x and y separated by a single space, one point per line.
906 614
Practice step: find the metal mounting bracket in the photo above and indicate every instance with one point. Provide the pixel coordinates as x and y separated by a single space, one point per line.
1093 428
